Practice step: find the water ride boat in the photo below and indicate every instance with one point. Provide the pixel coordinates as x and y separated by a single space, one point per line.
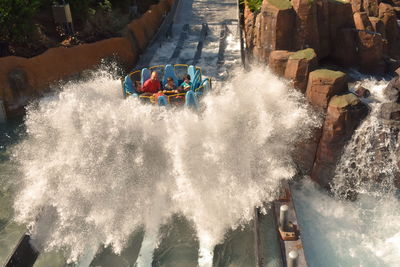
189 97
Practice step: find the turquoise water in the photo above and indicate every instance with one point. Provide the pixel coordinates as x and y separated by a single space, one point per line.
10 232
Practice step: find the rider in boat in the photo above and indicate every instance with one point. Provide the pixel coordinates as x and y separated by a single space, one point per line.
170 86
186 84
152 85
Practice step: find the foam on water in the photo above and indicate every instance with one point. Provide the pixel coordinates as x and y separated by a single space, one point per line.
369 161
343 233
96 167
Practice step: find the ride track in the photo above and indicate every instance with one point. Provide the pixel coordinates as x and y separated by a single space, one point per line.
196 32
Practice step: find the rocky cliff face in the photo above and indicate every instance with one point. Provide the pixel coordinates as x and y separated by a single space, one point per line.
359 33
355 33
343 116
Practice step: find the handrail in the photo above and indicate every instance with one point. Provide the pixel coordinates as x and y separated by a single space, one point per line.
175 65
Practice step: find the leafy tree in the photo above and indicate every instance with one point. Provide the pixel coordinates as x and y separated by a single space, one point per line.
16 19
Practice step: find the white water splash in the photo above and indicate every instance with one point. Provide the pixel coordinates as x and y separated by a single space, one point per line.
369 161
365 232
96 167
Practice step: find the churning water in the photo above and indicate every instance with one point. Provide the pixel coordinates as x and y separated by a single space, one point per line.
96 168
365 232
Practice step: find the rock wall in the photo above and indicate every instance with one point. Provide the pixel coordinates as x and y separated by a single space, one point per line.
344 114
22 79
355 33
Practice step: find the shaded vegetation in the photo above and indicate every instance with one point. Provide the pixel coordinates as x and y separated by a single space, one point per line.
254 5
16 19
27 27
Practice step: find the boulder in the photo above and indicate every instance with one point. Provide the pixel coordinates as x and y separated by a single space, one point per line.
392 90
378 26
299 66
275 27
323 84
371 7
249 23
345 47
388 15
323 28
340 16
278 60
357 5
370 52
306 34
344 114
362 92
259 52
390 111
305 151
362 22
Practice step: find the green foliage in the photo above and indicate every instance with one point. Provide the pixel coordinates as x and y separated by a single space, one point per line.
80 9
254 5
16 19
105 6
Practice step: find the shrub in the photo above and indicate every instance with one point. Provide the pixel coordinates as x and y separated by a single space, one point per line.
16 19
254 5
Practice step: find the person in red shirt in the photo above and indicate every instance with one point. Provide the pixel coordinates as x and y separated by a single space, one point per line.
152 85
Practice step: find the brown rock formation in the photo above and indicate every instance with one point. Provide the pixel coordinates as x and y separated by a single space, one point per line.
249 24
306 34
392 90
370 52
388 15
371 7
323 28
378 26
340 16
345 47
390 111
357 6
274 28
299 65
323 84
362 22
278 60
344 114
305 151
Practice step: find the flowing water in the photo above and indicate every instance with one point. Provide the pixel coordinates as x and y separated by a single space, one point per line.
96 169
337 232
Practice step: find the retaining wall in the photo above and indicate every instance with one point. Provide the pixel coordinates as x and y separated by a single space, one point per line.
23 79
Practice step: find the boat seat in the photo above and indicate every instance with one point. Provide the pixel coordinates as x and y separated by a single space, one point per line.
170 72
129 86
146 73
196 82
191 71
